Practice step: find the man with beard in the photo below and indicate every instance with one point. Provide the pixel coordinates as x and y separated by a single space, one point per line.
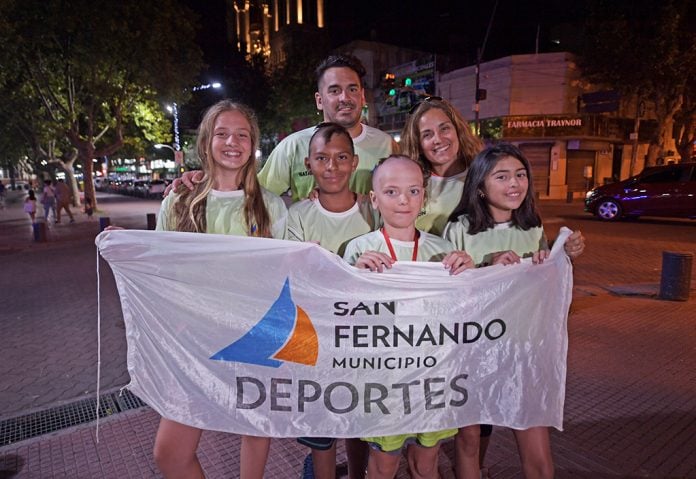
340 97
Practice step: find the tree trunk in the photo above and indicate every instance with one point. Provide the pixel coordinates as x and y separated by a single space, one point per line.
666 107
72 183
686 138
87 178
85 154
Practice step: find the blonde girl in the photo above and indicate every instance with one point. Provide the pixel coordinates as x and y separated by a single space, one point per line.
229 200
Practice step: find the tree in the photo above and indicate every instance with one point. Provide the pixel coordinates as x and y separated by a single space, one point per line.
293 84
94 64
686 123
29 143
646 50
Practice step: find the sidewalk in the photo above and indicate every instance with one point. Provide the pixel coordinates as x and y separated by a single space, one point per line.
631 389
17 233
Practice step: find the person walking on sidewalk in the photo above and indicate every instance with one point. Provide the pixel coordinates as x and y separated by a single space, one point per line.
30 205
64 197
48 199
89 209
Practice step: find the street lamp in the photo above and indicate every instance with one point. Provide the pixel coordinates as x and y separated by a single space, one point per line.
174 110
206 86
178 156
159 146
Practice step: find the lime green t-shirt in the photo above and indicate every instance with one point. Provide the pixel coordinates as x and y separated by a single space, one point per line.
224 213
442 197
502 237
285 169
310 221
430 247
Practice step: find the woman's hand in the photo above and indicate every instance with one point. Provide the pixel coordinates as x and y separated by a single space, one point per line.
374 261
313 195
188 179
574 245
540 256
505 257
114 228
457 261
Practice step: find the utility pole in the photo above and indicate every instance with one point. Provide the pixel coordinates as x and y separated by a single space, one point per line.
479 55
640 110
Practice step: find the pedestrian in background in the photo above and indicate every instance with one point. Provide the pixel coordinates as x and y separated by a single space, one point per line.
30 205
48 199
89 209
64 197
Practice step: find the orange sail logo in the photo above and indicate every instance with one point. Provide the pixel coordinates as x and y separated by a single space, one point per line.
284 334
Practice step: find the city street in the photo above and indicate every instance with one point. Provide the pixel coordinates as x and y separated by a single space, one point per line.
631 389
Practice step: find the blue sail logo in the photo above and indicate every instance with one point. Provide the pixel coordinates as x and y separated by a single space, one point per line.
285 333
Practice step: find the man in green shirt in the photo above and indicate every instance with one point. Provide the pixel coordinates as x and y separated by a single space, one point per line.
340 97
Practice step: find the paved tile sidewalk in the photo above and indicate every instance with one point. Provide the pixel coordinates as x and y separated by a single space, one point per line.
631 389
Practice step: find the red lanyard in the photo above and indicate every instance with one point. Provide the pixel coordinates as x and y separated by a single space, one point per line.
391 248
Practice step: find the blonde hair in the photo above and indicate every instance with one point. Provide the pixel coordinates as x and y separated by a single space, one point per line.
469 144
398 156
189 210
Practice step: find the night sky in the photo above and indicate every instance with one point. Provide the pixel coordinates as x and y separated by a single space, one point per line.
445 27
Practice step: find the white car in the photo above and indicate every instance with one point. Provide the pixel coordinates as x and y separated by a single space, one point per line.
19 185
155 188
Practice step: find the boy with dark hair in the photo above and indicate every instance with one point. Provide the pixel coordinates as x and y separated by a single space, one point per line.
333 218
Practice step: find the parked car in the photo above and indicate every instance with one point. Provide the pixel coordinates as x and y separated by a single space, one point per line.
128 187
668 190
19 185
140 188
155 188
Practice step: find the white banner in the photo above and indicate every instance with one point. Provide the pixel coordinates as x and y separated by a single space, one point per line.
279 338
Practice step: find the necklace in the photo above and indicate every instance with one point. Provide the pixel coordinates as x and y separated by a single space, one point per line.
391 248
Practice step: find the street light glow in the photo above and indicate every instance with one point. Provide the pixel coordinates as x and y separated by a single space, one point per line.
159 146
206 86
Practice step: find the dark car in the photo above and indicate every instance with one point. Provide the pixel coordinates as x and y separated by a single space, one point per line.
668 190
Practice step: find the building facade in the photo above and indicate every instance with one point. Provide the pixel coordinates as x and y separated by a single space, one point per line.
536 102
263 27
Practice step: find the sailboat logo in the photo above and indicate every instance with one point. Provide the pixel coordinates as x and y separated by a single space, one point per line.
285 333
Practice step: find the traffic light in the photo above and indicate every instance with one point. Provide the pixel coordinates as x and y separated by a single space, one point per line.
408 81
388 84
389 87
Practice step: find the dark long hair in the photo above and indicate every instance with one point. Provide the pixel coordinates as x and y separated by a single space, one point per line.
473 202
